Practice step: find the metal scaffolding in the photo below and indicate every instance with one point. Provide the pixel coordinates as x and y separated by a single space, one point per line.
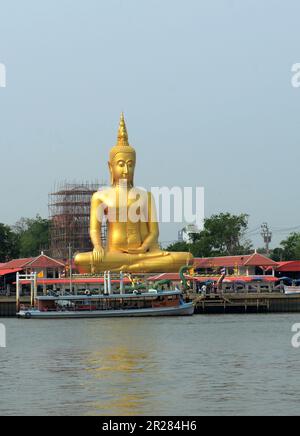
69 214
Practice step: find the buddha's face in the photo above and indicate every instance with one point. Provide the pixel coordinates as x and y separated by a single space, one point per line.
122 168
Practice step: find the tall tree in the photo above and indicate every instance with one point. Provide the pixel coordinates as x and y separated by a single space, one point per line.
277 254
289 248
33 234
223 235
9 243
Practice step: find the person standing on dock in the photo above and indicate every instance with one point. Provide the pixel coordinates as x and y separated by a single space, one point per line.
203 290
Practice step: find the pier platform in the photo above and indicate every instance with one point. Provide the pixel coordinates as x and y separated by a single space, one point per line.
8 305
245 303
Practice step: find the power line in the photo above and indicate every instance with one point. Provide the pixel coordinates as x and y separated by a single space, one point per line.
253 231
275 230
286 229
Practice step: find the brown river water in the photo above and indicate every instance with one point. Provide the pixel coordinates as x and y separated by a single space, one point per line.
200 365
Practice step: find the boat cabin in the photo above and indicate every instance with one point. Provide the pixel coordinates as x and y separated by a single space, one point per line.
108 302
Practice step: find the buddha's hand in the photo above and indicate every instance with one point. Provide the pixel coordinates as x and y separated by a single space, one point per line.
98 255
140 250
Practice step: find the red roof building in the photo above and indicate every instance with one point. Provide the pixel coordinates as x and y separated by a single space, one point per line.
240 265
44 266
290 269
33 263
16 263
5 272
289 266
44 262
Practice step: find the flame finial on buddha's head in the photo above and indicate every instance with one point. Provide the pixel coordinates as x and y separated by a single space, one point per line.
122 145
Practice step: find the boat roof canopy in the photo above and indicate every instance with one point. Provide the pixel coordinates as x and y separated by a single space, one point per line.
101 296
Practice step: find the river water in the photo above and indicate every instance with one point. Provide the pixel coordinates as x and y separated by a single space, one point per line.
200 365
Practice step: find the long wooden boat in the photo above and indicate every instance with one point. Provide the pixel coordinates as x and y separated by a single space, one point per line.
168 303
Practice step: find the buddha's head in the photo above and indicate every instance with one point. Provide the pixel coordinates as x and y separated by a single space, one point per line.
122 158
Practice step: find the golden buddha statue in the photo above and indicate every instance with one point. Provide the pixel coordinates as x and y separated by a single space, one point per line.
132 242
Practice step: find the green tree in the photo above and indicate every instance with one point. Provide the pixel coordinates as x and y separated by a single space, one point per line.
277 254
179 246
223 235
289 248
202 247
9 243
33 234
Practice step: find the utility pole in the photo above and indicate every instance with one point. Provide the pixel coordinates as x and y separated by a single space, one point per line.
70 268
267 236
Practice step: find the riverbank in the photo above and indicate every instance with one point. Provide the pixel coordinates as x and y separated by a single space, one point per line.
246 303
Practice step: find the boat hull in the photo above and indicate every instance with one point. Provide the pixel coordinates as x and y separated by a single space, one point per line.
184 309
292 290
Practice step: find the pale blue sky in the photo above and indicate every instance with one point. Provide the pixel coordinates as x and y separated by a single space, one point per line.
205 86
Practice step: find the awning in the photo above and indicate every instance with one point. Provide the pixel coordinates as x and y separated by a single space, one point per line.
4 272
230 279
75 281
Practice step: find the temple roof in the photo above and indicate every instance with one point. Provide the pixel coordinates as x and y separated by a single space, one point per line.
254 259
44 261
16 263
41 261
289 266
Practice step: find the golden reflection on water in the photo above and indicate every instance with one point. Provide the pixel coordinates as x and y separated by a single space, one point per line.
116 359
125 405
121 372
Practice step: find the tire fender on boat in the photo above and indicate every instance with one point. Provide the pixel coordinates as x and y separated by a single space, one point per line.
27 315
